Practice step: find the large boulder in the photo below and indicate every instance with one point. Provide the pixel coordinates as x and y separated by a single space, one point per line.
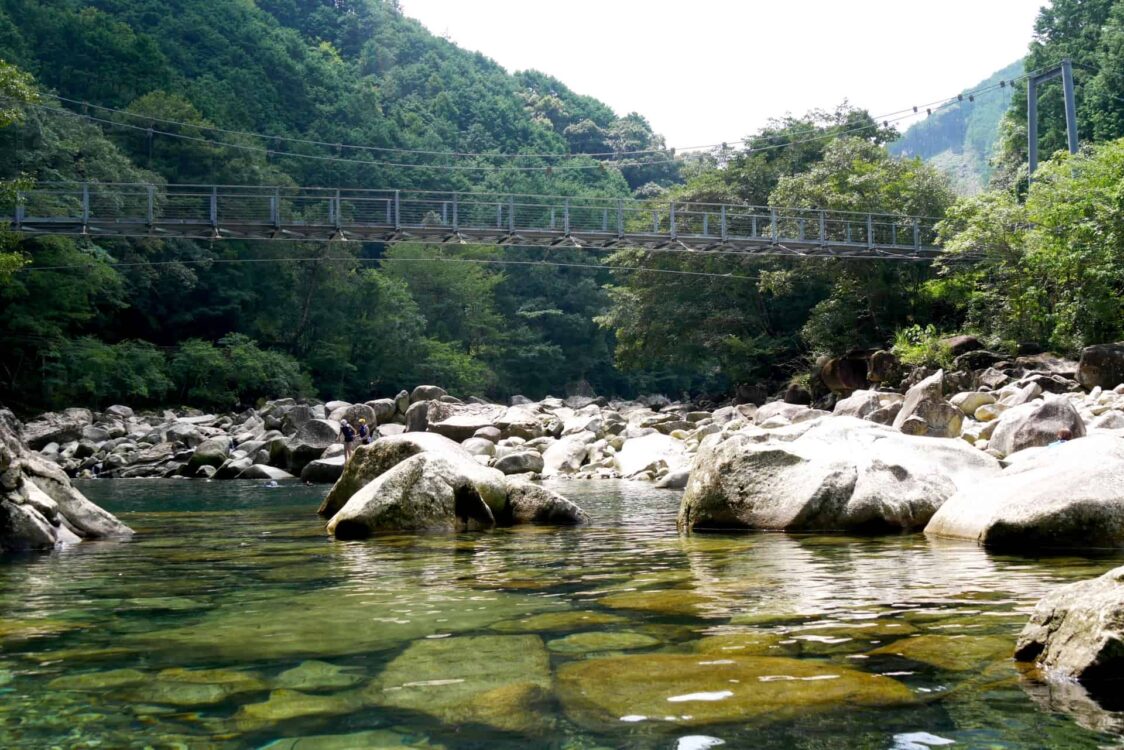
650 453
323 470
533 503
1101 365
838 473
211 452
261 471
466 420
309 443
426 492
521 421
427 393
56 427
843 375
370 461
1064 497
417 417
567 455
1077 633
520 462
926 407
39 508
1034 424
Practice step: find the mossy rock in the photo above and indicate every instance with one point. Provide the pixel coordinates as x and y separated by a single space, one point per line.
113 678
375 739
740 644
316 676
950 652
500 681
549 621
673 602
584 643
688 690
283 705
22 630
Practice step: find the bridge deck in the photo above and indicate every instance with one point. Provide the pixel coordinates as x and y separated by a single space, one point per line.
269 213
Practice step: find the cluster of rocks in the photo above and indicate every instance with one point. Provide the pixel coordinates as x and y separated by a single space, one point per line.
39 509
427 482
971 454
580 437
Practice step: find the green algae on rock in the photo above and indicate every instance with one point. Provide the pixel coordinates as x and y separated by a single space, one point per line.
283 705
664 601
113 678
693 690
585 643
315 675
549 621
499 681
375 739
950 652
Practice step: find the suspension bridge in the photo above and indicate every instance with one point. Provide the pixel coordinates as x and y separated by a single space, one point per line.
241 212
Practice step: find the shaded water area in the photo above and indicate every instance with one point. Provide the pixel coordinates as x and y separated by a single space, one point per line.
231 621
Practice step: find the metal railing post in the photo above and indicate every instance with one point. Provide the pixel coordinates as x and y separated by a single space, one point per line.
566 217
706 223
620 219
671 222
499 215
456 213
894 233
19 209
338 211
773 224
823 227
275 209
150 206
604 220
214 208
916 235
724 228
511 214
870 230
85 205
397 210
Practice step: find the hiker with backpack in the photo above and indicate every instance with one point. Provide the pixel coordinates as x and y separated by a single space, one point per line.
347 435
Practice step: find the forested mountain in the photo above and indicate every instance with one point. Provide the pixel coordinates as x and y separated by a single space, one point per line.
960 139
348 72
160 91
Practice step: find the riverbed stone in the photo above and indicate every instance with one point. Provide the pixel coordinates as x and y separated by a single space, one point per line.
113 678
427 393
652 452
925 401
314 675
496 680
585 643
374 739
261 471
532 503
689 690
1067 496
283 705
1077 633
563 621
839 474
952 653
309 443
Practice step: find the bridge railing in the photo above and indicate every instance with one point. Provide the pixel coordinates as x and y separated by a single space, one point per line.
257 207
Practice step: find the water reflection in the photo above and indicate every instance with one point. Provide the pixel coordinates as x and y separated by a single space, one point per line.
104 643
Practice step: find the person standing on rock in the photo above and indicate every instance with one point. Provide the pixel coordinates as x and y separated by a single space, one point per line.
347 435
364 432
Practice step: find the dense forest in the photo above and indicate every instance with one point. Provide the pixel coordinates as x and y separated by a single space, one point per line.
130 90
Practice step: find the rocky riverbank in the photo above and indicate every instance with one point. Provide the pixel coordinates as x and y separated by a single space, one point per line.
39 509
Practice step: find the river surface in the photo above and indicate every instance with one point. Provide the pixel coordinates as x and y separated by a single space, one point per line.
232 621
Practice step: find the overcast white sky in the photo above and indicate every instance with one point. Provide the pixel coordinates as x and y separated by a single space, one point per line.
709 71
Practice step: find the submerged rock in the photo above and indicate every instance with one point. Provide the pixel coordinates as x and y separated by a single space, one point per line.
686 690
498 681
317 675
585 643
1067 496
841 473
950 652
1077 633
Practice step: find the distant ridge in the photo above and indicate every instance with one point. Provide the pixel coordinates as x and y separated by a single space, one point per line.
961 139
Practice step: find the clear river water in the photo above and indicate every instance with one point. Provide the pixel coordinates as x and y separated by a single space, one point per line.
232 621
